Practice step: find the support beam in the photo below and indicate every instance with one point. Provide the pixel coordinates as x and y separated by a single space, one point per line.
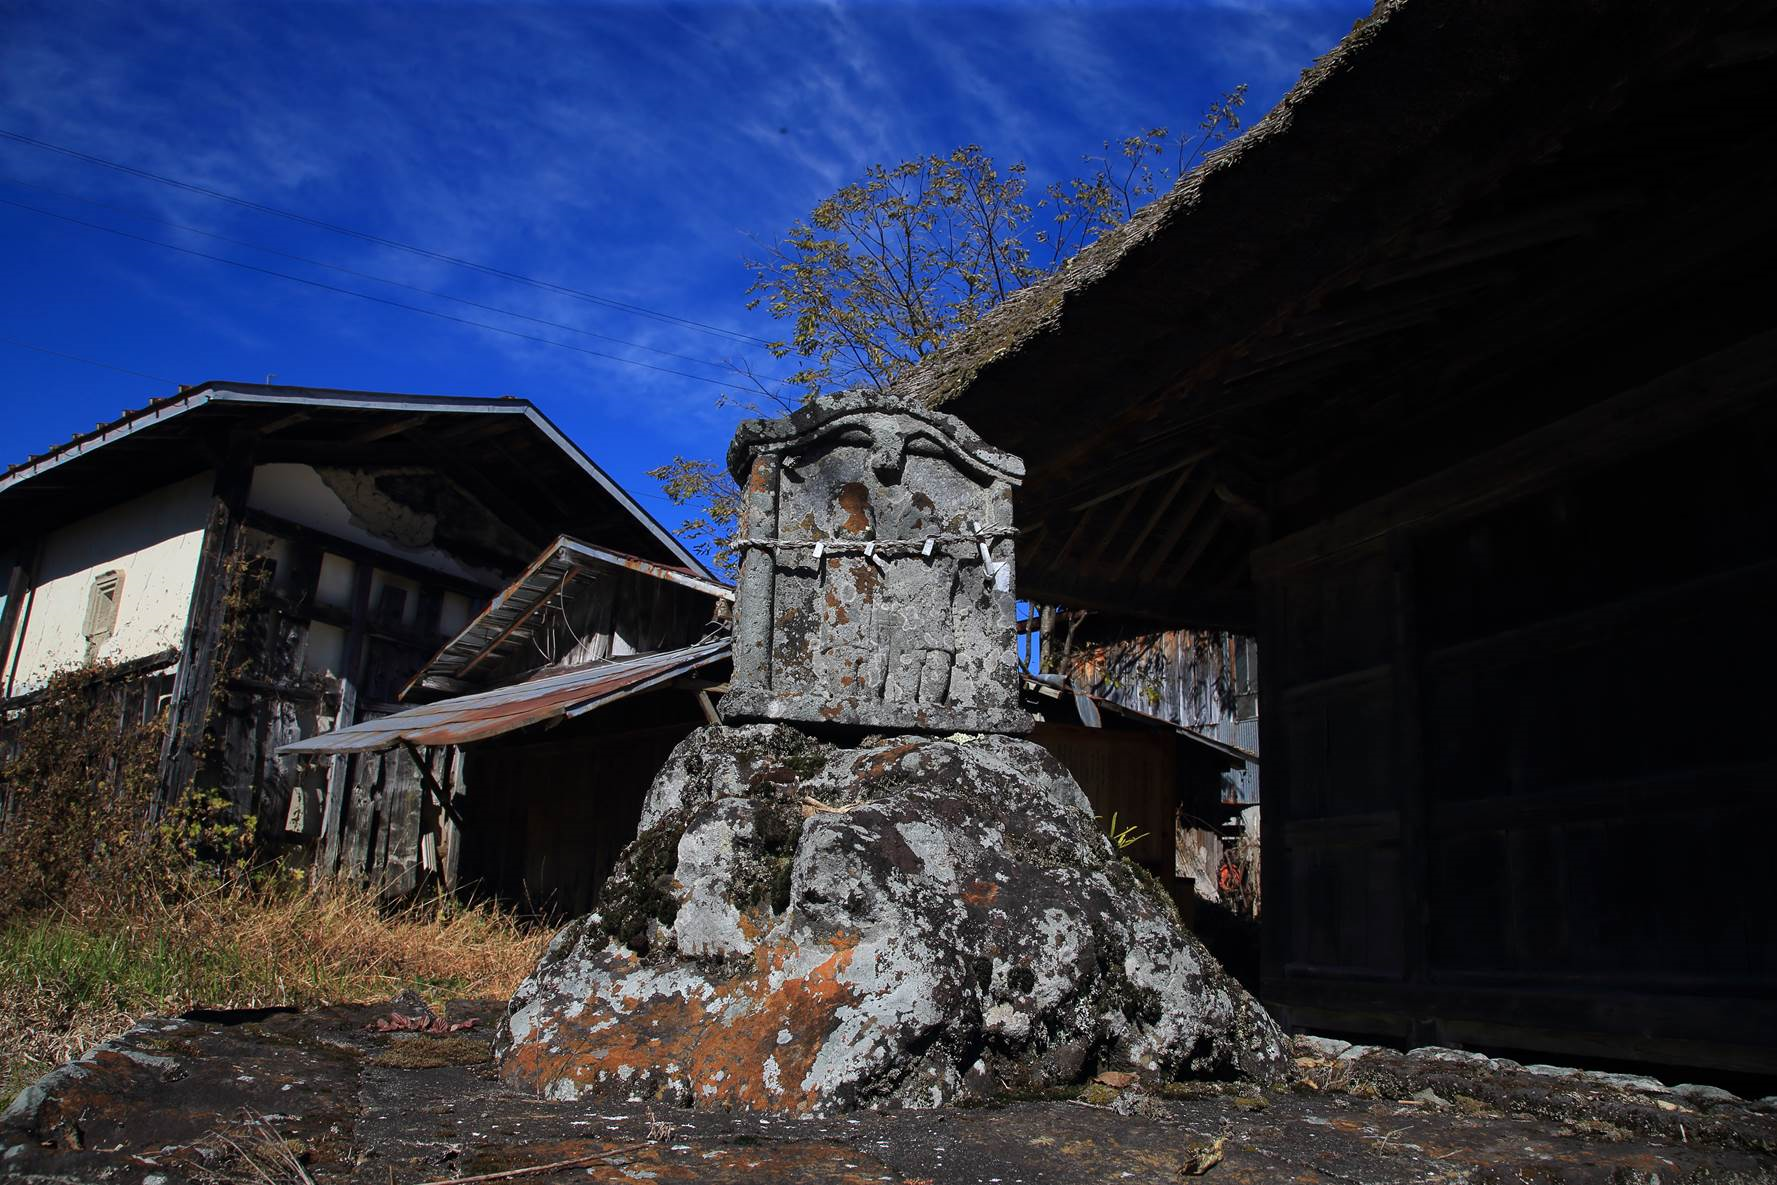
1182 522
383 431
1161 507
430 780
710 715
529 612
194 686
351 675
1202 532
1074 536
20 580
1096 555
284 528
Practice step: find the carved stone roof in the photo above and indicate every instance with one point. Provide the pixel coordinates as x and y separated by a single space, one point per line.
821 417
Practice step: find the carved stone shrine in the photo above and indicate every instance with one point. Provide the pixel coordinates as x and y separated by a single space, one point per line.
876 576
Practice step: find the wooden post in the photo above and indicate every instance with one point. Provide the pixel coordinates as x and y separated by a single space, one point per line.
351 674
450 854
195 682
19 582
430 781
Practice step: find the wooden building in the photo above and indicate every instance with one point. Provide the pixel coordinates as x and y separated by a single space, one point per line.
279 561
520 772
1203 680
1452 381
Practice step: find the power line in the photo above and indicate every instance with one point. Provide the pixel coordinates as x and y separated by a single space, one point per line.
334 267
412 308
159 378
395 244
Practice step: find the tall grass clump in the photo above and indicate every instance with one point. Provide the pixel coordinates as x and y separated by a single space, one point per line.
104 919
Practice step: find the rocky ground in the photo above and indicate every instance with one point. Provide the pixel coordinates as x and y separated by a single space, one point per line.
326 1097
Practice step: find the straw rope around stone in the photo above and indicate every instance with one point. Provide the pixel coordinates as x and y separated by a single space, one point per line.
875 546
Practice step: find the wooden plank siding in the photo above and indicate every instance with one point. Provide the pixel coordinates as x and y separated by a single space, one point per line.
545 820
1518 791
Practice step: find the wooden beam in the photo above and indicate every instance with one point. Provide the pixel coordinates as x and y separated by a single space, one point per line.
480 425
1128 599
1161 507
284 528
709 709
505 508
188 715
1181 523
389 428
1668 408
530 610
1083 520
20 581
1044 510
1202 533
339 767
283 422
431 783
1096 555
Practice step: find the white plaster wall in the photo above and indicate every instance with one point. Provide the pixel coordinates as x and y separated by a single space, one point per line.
154 540
296 492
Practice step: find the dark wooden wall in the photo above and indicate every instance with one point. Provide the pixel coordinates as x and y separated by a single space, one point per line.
544 820
1519 790
1133 774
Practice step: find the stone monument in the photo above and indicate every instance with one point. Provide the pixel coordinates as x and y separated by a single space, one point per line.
877 571
816 918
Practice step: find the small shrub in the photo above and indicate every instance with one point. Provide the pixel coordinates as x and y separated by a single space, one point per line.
78 773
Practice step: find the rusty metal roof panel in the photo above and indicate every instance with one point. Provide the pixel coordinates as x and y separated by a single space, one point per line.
486 714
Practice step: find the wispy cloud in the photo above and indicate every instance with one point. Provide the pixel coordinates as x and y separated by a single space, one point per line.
619 148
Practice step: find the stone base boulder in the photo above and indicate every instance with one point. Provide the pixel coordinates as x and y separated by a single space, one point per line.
801 926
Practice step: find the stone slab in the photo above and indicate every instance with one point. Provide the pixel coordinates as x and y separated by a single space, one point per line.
360 1116
877 576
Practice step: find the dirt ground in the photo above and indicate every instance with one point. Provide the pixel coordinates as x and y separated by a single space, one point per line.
323 1097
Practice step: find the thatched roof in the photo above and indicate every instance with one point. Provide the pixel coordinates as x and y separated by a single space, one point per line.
1039 309
1393 266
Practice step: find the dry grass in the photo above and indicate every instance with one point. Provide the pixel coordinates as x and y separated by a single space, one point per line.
69 980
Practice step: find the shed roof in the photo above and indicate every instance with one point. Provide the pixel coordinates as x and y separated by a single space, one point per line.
504 624
483 715
502 451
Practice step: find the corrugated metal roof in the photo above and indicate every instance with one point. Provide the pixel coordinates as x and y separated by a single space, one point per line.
485 714
1089 707
506 623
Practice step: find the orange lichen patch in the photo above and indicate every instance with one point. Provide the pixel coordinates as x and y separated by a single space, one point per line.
981 894
866 578
840 617
754 923
877 762
726 1049
854 499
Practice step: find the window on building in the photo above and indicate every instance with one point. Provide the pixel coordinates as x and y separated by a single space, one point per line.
102 601
1246 678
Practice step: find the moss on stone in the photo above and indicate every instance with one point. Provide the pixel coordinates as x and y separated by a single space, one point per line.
421 1052
1098 1094
640 891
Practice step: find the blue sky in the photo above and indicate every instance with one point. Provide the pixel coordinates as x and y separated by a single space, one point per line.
633 152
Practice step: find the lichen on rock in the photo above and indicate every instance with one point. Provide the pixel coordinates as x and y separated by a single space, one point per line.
807 926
